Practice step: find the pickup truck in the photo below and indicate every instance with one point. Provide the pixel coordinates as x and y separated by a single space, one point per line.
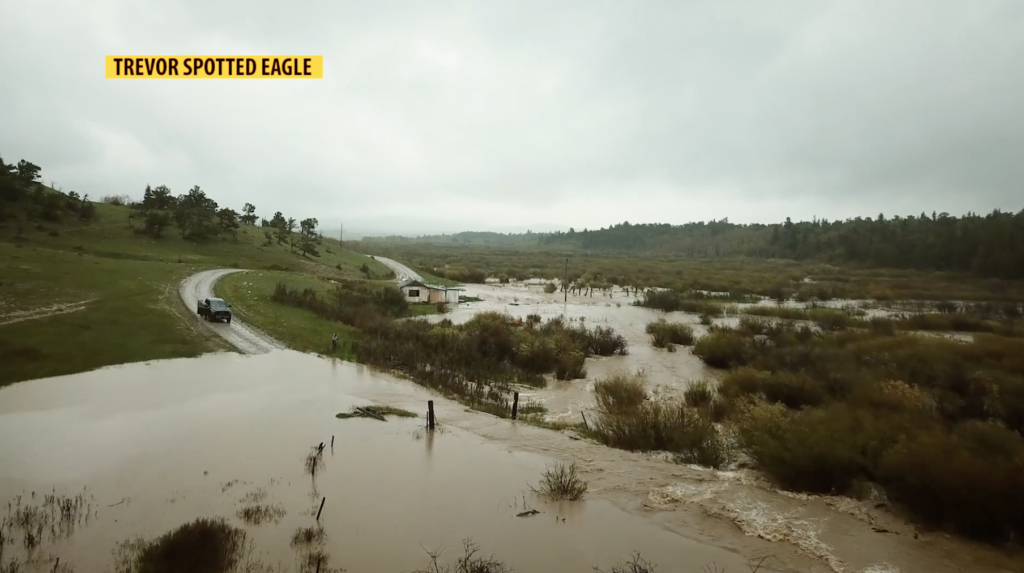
214 309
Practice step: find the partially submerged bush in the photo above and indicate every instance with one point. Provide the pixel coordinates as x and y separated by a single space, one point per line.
664 333
723 349
620 393
670 301
699 394
970 479
629 420
561 482
935 423
479 361
635 564
202 546
469 562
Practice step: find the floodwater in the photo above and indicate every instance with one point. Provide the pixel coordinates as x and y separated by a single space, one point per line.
151 446
667 373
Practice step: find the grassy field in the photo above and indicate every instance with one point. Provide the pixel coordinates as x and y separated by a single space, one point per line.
298 328
126 287
767 277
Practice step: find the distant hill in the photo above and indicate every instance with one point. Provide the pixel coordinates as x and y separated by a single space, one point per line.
985 245
470 238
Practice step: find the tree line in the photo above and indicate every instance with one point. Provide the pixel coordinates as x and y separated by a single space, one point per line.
989 246
199 217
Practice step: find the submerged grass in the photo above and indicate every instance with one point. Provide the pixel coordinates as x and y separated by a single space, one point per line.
305 536
257 514
376 411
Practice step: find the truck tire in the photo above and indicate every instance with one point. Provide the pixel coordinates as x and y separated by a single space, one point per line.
229 320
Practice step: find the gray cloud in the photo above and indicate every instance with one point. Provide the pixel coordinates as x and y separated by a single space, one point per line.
451 115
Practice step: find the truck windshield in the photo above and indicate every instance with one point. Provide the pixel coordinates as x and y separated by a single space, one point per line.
218 304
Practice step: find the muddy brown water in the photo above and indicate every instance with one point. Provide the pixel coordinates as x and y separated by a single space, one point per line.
154 445
667 373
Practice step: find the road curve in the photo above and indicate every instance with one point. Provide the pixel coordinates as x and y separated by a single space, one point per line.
401 270
245 338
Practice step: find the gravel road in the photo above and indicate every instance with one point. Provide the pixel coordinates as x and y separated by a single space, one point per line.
401 270
247 339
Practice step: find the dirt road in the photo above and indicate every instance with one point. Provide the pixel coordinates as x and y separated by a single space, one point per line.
247 339
401 270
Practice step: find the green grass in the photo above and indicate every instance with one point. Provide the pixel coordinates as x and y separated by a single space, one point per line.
299 329
134 313
131 281
436 280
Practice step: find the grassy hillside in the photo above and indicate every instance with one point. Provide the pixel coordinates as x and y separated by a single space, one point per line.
81 295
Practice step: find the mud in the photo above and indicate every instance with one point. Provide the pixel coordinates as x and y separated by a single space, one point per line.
42 312
159 444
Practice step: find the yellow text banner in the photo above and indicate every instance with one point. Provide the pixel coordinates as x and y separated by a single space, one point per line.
215 67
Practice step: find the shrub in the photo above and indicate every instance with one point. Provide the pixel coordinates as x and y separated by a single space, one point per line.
550 288
970 479
795 390
817 451
723 349
561 482
570 367
699 394
664 333
620 392
469 562
120 200
202 546
629 420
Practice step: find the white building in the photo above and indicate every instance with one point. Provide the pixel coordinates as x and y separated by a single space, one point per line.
417 291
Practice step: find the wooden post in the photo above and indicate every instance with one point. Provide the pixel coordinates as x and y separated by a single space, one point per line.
565 280
321 508
332 441
585 424
515 405
430 414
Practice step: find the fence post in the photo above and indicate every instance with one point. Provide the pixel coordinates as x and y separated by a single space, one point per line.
430 414
515 405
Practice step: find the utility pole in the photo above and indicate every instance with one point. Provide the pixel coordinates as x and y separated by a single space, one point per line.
341 235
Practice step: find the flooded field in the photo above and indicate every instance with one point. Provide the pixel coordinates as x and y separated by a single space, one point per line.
668 373
141 449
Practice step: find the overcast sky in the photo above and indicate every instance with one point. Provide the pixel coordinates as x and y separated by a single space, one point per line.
492 115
